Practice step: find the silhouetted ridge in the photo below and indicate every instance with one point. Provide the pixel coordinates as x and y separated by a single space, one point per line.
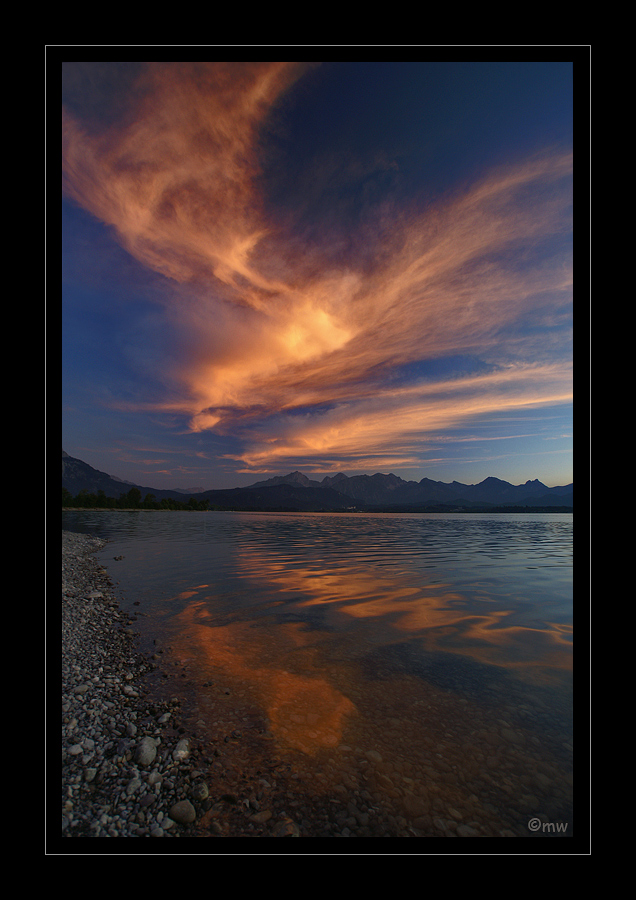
296 491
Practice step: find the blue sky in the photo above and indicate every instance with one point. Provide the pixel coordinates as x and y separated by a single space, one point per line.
343 266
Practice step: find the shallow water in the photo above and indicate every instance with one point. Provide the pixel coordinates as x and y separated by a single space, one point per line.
423 660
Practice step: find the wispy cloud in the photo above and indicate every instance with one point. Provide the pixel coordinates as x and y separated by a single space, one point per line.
272 341
394 428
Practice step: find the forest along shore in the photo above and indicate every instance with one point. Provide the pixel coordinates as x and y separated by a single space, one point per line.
129 768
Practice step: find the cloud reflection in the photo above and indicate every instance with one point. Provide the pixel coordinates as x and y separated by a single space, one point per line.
299 655
388 607
306 712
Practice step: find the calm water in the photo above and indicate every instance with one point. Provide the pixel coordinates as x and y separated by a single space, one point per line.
441 645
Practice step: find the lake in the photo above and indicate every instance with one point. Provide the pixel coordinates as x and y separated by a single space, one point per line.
424 660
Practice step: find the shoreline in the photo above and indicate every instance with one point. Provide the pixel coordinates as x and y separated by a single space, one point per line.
557 510
124 766
129 766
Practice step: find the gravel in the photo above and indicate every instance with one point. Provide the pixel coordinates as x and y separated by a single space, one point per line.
119 777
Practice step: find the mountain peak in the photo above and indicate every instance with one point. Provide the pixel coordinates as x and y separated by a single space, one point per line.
293 478
334 479
534 485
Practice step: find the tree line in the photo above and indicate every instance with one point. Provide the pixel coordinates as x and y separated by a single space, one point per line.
130 500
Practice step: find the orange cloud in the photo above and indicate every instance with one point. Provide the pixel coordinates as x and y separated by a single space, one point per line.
176 178
391 428
264 330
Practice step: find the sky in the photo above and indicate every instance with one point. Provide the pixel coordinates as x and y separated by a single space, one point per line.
328 267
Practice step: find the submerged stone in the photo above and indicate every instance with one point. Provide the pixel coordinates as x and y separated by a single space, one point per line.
183 812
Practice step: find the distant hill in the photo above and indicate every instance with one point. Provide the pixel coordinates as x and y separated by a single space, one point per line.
283 496
296 491
78 476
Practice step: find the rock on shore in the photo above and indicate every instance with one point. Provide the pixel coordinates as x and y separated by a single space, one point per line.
125 770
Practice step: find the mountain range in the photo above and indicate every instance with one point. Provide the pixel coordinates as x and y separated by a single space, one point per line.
297 492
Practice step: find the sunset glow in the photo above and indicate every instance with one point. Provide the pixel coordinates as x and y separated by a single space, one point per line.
259 303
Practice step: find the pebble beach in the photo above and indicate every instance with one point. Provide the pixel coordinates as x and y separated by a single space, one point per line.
123 771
